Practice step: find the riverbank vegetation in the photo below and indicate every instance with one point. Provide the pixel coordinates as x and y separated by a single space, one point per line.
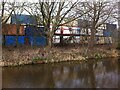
13 56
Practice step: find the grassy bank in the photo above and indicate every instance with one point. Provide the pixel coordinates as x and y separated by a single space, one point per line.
12 56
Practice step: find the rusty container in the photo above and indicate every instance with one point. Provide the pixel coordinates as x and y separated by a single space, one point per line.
11 29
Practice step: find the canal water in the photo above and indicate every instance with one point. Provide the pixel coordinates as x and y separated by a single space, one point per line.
91 74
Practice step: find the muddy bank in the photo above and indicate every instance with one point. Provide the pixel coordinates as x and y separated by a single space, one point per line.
12 56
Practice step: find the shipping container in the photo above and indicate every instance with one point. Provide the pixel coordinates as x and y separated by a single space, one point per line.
11 40
11 29
37 41
110 27
34 31
68 30
23 19
107 33
21 40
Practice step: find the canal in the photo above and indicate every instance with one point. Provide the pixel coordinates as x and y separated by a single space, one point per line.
91 74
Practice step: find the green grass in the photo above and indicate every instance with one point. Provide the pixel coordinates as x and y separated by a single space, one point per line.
39 58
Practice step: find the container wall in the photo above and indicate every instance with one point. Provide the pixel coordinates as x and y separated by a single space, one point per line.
37 41
34 31
11 40
107 33
11 29
21 40
23 19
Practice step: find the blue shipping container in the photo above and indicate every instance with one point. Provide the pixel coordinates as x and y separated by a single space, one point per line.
37 41
34 31
11 40
21 40
23 19
34 41
107 33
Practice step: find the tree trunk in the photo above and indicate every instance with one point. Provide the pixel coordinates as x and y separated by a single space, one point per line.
49 41
61 36
61 39
92 39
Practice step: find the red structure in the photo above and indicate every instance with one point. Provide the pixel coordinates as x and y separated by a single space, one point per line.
11 29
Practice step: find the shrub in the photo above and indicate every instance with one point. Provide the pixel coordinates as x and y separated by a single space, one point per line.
39 58
98 55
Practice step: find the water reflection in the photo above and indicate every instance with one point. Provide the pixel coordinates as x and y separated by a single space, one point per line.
97 74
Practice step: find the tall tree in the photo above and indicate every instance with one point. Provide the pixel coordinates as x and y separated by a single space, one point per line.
6 10
53 13
100 12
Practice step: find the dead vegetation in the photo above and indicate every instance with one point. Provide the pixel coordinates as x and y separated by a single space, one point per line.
29 55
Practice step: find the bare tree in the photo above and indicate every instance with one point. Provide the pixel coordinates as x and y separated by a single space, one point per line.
53 13
100 12
6 9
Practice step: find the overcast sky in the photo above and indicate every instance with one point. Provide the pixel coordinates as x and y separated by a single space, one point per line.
52 0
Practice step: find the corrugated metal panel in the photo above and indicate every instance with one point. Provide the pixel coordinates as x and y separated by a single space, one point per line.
37 41
66 30
34 31
107 33
33 41
29 31
11 40
21 40
40 41
23 19
111 27
11 29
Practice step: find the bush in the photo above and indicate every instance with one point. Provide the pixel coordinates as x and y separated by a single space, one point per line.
39 58
98 55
